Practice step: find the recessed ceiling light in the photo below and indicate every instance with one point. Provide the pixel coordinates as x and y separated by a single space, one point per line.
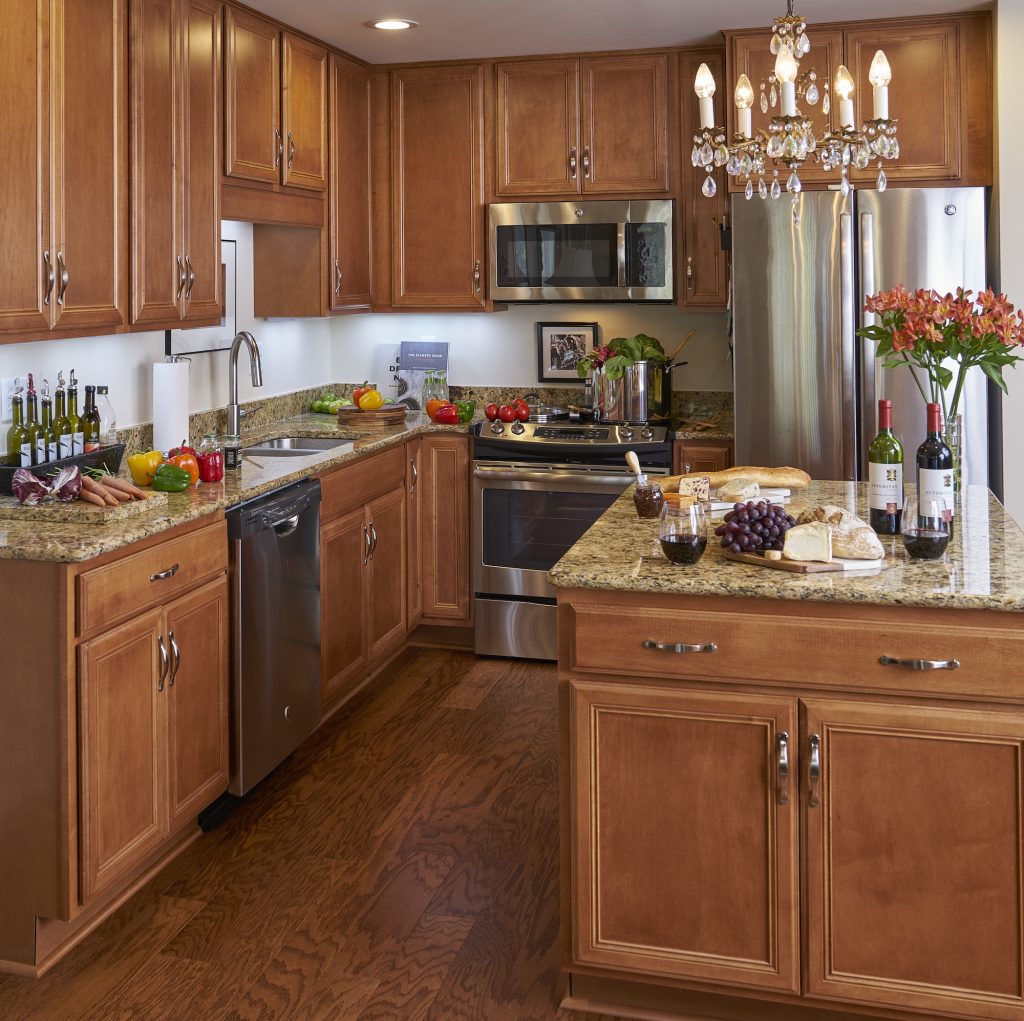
392 24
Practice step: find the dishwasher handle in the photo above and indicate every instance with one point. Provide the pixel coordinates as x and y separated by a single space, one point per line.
285 526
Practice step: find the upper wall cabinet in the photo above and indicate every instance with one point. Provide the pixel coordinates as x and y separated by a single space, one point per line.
437 187
175 126
594 125
275 104
63 229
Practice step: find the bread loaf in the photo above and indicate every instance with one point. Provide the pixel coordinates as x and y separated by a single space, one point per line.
852 538
767 478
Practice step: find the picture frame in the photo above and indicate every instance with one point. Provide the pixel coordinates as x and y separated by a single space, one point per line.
212 338
560 346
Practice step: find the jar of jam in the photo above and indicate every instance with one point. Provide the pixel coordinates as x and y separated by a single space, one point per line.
211 459
648 498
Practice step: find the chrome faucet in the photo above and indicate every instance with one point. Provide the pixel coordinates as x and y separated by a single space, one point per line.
235 413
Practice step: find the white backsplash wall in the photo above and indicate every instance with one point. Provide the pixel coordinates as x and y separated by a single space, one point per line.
500 348
295 354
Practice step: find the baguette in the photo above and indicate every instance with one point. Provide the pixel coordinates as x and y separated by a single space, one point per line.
768 478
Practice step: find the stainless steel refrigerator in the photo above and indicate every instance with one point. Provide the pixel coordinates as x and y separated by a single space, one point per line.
806 386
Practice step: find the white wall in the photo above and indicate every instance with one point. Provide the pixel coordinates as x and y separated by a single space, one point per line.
295 354
500 348
1008 217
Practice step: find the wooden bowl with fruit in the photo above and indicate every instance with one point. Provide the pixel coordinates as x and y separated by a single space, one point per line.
370 407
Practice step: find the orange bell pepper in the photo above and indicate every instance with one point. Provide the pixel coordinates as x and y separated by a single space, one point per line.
187 462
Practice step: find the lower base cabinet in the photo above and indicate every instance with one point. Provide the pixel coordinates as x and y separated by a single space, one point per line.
444 477
701 456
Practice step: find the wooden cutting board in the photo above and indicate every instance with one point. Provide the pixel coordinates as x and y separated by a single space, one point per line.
79 513
391 415
803 566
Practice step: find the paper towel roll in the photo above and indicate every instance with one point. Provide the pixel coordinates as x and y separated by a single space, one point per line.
170 404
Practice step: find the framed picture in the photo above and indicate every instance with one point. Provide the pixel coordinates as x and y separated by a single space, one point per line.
560 346
212 338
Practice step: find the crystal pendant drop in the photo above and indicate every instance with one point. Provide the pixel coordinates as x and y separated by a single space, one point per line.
775 45
773 97
695 156
793 183
812 94
796 209
776 191
844 185
709 188
789 149
748 191
732 166
826 103
895 151
883 182
762 188
706 155
803 47
721 156
764 101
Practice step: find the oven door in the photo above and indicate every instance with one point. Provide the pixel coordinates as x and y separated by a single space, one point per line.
525 518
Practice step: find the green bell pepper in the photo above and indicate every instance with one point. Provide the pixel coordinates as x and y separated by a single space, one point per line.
466 410
170 479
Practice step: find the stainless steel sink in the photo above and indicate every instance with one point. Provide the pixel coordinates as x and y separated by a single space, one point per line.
297 446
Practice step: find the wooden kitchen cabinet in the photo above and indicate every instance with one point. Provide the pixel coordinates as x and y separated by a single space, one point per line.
275 104
445 482
685 856
350 198
704 267
414 533
387 576
64 228
437 182
701 456
573 126
175 125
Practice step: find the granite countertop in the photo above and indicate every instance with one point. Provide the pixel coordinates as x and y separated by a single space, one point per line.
983 568
722 435
68 543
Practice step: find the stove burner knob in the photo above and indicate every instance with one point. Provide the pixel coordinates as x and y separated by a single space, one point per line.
518 428
627 431
648 433
497 428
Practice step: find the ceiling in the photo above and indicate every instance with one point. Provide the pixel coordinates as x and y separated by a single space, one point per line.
453 29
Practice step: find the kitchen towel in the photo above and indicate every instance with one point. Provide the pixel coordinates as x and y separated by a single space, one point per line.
170 404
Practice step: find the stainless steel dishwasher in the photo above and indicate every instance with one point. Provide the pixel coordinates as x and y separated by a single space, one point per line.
275 629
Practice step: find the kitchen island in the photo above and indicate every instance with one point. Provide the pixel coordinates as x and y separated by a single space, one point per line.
788 796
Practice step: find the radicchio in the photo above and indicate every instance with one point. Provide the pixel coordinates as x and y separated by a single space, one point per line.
68 484
27 488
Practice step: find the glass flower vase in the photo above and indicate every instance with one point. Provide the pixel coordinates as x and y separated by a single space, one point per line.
953 434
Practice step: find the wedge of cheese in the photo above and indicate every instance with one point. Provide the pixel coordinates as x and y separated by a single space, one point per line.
812 541
700 488
739 491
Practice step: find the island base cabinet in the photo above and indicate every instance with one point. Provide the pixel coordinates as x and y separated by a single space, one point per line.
914 852
684 860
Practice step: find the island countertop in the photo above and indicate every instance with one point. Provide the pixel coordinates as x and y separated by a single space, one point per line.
983 568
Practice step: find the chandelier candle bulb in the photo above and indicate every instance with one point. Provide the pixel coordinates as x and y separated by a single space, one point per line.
844 90
744 101
704 86
880 75
786 69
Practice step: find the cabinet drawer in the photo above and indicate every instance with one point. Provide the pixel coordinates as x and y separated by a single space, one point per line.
775 648
355 484
110 593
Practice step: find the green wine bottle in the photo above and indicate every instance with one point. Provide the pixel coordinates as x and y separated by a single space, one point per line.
32 420
77 441
90 422
61 422
885 475
19 453
46 446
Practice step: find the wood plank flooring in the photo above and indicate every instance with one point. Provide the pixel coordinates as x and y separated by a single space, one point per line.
402 864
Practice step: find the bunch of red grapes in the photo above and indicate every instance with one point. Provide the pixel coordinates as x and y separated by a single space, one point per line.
754 526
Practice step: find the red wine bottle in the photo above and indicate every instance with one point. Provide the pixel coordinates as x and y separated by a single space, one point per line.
934 469
885 475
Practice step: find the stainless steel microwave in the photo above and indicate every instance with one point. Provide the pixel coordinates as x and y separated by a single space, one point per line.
581 251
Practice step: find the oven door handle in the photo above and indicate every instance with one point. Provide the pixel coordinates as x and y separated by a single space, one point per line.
620 253
579 478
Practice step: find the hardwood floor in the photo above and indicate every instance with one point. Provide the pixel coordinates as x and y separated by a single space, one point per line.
402 864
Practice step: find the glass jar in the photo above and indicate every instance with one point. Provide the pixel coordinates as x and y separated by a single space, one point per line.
683 531
648 499
232 451
435 386
211 459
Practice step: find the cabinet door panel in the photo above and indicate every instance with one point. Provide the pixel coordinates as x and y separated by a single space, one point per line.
343 594
701 456
684 861
350 196
252 98
157 264
386 516
414 532
914 886
24 167
437 180
122 753
444 478
304 114
197 726
202 101
538 129
625 123
89 161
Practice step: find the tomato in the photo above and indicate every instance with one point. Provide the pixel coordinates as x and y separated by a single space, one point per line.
491 411
371 400
522 412
521 402
507 413
359 391
432 405
448 414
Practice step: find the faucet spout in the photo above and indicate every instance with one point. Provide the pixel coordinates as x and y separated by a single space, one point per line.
235 413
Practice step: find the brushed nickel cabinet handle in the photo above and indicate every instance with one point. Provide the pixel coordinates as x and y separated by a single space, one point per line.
476 276
176 653
169 573
678 647
814 771
278 147
782 769
373 540
182 278
920 664
62 278
191 278
572 163
291 150
369 546
50 278
689 272
338 277
165 662
415 473
586 161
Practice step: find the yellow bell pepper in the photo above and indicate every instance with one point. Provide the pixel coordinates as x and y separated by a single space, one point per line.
143 466
371 400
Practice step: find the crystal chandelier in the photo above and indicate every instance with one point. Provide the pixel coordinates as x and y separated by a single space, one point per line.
790 140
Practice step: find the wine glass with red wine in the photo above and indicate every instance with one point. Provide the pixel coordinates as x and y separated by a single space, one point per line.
926 528
683 532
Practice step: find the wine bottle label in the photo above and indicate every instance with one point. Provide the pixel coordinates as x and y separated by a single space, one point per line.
935 485
53 451
42 451
78 443
64 444
91 446
26 455
885 487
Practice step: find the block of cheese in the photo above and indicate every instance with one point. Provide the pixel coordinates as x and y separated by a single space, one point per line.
696 487
812 541
738 491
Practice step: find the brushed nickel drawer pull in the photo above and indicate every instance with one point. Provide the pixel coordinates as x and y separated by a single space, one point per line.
415 473
62 279
337 278
161 575
191 278
373 538
814 772
50 277
586 161
782 770
649 643
278 147
476 276
920 664
572 163
369 545
165 662
182 278
176 653
291 151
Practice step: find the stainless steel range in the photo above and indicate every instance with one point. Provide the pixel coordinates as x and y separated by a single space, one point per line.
536 489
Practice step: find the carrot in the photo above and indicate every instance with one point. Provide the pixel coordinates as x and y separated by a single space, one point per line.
91 486
113 482
117 494
88 497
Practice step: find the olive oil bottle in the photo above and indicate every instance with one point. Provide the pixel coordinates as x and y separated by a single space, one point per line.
46 445
77 440
19 453
32 426
90 422
61 422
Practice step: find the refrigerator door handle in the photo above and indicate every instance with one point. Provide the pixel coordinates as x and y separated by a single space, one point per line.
869 371
848 334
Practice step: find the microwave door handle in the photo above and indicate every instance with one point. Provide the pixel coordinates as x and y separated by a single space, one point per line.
620 248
